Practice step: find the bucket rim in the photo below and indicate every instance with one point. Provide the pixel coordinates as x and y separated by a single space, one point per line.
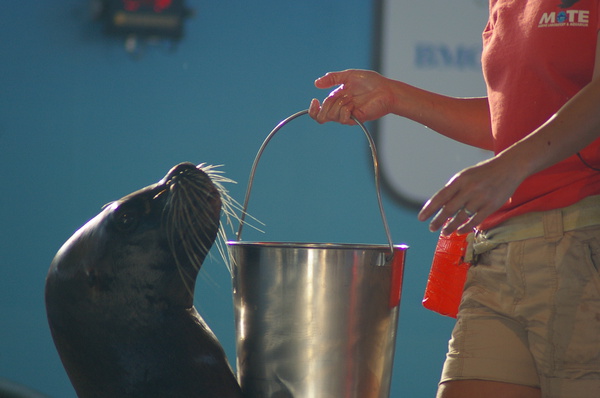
318 245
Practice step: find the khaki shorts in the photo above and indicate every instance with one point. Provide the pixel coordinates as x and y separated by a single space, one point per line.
530 315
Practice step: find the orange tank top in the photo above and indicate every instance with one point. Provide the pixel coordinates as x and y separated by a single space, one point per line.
536 56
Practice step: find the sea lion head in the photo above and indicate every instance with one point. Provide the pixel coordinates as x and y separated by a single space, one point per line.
126 279
147 246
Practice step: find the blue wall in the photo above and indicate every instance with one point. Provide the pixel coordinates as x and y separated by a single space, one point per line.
83 123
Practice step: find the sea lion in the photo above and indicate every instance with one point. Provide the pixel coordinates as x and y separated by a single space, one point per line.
119 294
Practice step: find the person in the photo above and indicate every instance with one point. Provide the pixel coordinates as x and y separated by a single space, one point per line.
529 320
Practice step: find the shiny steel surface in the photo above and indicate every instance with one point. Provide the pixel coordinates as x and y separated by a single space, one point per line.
314 320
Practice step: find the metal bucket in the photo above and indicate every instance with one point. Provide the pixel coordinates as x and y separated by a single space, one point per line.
315 319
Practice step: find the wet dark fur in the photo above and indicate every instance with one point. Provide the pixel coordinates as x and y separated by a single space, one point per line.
119 295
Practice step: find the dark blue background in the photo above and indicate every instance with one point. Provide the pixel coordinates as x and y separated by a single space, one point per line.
82 123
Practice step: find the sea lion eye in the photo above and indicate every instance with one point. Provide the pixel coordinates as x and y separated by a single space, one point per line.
91 277
126 219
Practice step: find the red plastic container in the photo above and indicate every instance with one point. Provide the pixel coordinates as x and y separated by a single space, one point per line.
447 276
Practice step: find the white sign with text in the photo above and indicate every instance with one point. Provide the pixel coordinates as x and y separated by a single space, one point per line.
434 45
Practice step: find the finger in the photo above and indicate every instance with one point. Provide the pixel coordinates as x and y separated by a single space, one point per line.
454 222
332 107
330 79
461 222
450 214
319 111
438 205
314 108
341 109
478 216
325 109
444 217
467 227
324 81
346 115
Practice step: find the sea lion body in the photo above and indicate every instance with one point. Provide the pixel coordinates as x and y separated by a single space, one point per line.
119 295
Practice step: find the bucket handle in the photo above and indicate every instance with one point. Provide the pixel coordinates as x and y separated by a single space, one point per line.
375 169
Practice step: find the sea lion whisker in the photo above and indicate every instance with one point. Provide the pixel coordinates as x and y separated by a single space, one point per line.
191 243
191 191
184 278
191 238
231 210
190 254
171 239
214 173
221 248
221 239
180 216
230 207
159 193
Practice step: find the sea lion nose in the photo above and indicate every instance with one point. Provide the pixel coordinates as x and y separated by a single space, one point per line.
180 169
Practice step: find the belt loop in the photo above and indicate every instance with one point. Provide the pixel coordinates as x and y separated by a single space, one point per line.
470 253
553 224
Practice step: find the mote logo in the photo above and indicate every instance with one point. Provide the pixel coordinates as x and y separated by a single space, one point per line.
565 18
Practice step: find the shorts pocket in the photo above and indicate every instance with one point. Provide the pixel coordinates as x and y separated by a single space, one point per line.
576 335
593 254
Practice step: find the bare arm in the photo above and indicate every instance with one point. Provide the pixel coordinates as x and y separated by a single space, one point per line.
466 120
367 95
